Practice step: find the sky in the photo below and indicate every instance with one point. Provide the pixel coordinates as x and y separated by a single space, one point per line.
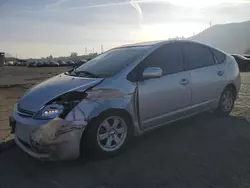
39 28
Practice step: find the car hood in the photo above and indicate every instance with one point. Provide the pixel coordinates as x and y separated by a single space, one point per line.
44 92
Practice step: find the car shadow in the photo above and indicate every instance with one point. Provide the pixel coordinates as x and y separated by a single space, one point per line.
203 151
6 145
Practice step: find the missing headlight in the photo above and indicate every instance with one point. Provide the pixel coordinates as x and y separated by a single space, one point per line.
69 101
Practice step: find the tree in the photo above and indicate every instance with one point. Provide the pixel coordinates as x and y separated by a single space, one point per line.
247 51
49 57
177 38
73 54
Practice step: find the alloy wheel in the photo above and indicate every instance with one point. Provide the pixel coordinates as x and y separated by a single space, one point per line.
111 133
227 101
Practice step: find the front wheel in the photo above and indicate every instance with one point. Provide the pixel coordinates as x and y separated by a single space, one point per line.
226 103
107 135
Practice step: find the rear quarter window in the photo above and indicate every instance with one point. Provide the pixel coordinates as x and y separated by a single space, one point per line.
219 56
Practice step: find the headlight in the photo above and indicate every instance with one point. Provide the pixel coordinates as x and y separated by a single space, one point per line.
60 106
50 111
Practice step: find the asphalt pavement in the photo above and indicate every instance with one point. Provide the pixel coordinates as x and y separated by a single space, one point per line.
203 151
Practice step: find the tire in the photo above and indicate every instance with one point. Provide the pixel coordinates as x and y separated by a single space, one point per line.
247 67
226 102
101 138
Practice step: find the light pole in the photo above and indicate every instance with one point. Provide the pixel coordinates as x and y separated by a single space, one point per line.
2 60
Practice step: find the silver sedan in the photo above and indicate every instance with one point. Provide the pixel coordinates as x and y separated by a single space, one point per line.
124 92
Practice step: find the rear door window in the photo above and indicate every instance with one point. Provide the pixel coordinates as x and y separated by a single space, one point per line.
197 56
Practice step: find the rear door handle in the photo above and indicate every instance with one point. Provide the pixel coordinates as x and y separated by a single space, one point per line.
220 73
184 82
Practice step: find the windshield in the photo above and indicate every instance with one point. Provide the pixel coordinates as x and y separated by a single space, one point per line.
110 62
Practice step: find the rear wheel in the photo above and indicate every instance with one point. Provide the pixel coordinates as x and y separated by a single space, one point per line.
247 67
107 135
226 103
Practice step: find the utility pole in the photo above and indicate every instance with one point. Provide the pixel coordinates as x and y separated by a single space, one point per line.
2 61
86 50
101 48
93 50
210 23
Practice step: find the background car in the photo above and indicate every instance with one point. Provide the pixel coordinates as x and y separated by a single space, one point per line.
45 63
16 63
27 63
10 63
40 64
70 63
32 64
243 62
35 64
247 56
62 63
80 62
53 64
23 64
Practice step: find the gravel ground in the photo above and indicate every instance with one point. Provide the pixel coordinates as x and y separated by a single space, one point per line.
13 83
203 151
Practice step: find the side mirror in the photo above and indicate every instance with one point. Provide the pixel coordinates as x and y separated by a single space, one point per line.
152 72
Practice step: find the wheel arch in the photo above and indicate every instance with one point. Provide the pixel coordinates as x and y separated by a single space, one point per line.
121 112
233 88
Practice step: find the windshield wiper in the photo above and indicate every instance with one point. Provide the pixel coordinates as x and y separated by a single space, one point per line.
87 73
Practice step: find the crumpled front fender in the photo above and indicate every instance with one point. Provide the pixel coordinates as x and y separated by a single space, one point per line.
113 99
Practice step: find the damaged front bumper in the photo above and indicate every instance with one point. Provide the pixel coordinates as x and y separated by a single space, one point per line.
49 140
61 148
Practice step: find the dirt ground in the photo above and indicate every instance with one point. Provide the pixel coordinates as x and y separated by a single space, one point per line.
13 83
203 151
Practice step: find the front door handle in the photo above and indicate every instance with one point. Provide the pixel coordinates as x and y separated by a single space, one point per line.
184 82
220 73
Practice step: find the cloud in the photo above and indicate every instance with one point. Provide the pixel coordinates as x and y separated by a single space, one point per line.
87 4
79 5
138 9
55 4
71 24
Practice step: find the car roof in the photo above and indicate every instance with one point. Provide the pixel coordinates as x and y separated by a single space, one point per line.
162 42
148 43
